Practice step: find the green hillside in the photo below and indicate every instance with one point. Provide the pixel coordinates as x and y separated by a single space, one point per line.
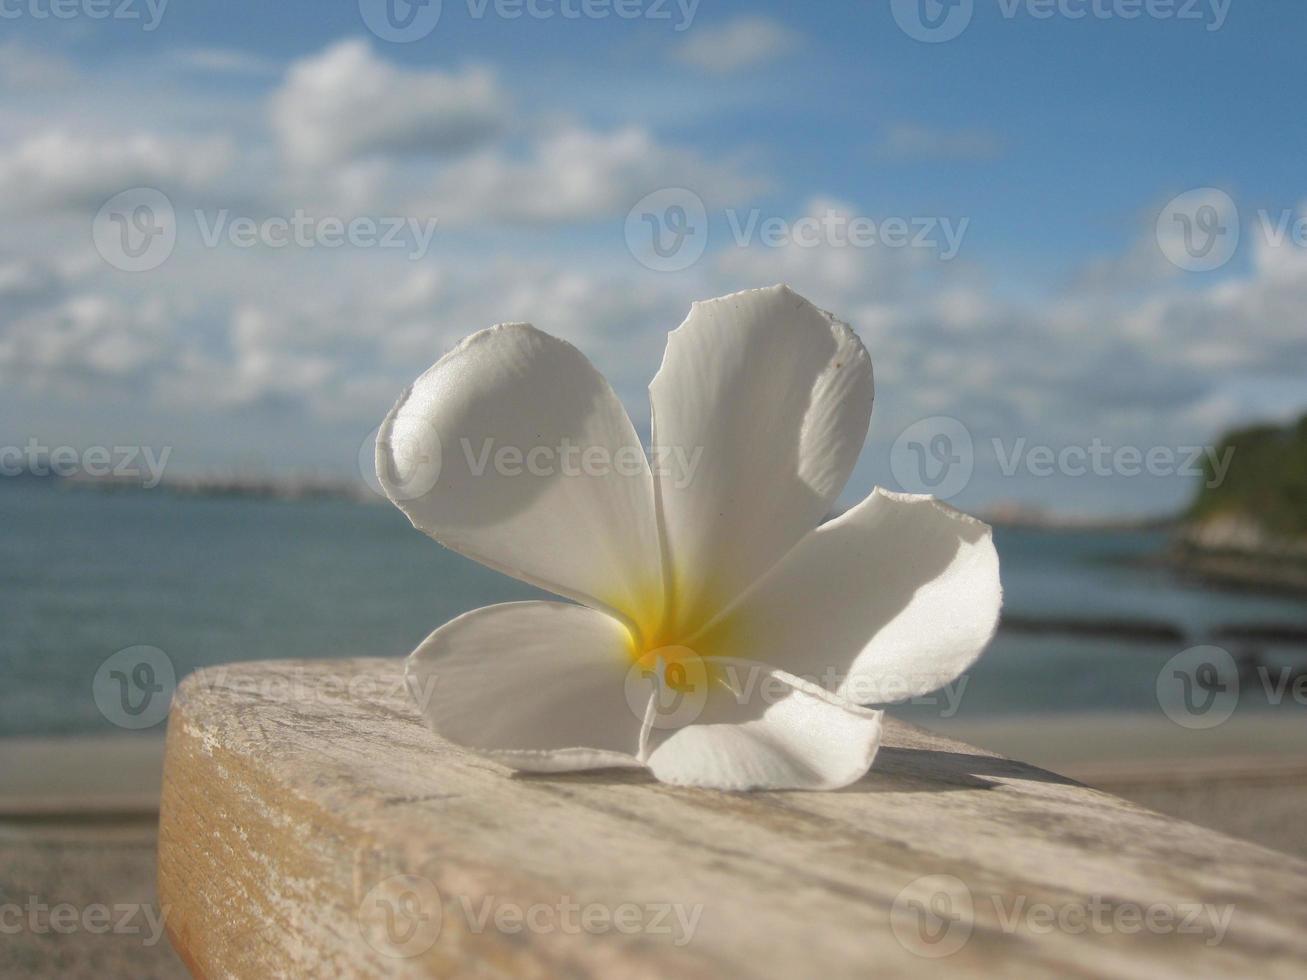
1266 483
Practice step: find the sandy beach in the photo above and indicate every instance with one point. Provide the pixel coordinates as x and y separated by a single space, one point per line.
78 897
1246 777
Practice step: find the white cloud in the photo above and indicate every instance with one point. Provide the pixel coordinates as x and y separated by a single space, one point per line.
315 339
362 135
884 274
579 175
85 339
1119 355
346 103
736 45
262 367
26 281
56 169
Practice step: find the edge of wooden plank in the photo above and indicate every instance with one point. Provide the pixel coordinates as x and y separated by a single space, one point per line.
250 840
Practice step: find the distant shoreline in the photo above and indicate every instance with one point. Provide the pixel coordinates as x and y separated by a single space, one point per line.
316 486
1156 630
1042 521
1251 571
218 485
1235 550
1249 566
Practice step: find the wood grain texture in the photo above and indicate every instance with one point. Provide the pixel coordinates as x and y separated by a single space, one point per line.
295 793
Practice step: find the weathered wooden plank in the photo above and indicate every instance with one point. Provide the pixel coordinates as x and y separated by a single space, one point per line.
296 793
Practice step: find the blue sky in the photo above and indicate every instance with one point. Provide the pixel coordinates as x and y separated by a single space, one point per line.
1053 142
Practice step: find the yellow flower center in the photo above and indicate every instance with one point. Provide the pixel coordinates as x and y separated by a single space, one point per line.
654 645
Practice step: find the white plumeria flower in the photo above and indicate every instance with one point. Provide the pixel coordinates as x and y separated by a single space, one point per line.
681 575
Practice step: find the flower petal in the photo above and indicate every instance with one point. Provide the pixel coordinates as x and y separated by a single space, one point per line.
779 732
537 686
768 400
892 599
514 451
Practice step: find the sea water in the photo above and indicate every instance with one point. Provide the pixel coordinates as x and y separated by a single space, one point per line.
85 573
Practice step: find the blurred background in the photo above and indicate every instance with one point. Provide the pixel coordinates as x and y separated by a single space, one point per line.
1070 234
